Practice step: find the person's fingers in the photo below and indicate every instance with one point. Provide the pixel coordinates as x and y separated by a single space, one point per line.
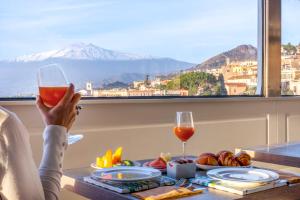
72 115
68 95
76 98
40 104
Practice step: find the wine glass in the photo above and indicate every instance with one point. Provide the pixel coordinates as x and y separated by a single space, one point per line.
184 128
53 85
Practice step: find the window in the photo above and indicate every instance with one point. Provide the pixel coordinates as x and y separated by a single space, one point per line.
290 48
132 48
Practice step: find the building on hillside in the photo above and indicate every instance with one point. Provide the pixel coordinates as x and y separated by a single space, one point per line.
88 90
241 72
215 71
235 88
164 82
180 92
249 80
137 84
294 86
155 83
289 73
110 93
83 92
146 92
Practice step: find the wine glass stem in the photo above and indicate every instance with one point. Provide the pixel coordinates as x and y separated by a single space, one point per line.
183 149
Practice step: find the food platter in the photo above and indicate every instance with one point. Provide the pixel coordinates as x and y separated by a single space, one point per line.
162 169
243 175
126 174
223 159
135 164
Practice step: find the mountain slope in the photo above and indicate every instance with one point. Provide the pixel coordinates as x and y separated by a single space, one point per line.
83 63
81 51
239 53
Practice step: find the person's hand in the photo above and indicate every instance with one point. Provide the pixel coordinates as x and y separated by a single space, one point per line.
64 113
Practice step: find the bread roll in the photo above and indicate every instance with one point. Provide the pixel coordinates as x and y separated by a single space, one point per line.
207 159
243 158
225 158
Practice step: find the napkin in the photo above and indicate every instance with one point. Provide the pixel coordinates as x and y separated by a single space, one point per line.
166 192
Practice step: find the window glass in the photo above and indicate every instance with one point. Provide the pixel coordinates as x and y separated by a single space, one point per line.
121 48
290 48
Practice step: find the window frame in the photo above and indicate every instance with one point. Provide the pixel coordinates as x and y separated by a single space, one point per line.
270 47
269 63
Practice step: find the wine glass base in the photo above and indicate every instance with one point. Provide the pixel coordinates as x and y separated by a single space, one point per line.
72 139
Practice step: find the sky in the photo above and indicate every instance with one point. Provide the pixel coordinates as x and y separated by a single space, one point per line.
290 21
188 30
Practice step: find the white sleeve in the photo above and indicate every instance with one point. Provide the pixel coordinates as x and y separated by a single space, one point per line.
55 143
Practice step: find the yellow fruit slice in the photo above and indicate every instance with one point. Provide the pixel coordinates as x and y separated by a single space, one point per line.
108 159
99 162
166 157
117 156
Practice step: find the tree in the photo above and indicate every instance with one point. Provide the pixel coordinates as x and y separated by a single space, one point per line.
223 90
198 83
173 84
290 49
250 91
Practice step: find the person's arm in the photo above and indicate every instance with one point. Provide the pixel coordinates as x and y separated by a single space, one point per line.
58 120
55 144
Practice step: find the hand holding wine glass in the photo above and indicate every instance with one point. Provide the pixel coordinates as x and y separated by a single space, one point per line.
57 101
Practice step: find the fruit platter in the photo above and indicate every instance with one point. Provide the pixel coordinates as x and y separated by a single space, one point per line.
207 161
159 163
110 159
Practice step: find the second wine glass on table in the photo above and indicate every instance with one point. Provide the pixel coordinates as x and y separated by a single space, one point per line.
184 128
53 85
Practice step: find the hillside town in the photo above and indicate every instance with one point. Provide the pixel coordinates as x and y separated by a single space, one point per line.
290 69
236 77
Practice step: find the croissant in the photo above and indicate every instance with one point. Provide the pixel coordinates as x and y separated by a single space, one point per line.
243 158
225 158
207 159
233 162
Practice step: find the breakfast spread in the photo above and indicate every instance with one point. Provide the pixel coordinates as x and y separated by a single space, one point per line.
224 158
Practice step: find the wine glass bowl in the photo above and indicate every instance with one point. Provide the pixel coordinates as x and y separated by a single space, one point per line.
52 84
184 128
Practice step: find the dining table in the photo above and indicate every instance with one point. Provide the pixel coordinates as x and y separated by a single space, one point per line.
72 180
287 154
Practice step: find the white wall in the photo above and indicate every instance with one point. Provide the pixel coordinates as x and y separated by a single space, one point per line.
144 128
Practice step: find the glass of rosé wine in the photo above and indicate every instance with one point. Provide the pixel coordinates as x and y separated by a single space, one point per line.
53 85
184 128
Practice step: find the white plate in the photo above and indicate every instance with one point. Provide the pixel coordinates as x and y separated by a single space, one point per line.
126 174
243 175
209 167
136 164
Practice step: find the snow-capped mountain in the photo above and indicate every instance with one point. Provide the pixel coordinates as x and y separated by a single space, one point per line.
83 63
81 51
